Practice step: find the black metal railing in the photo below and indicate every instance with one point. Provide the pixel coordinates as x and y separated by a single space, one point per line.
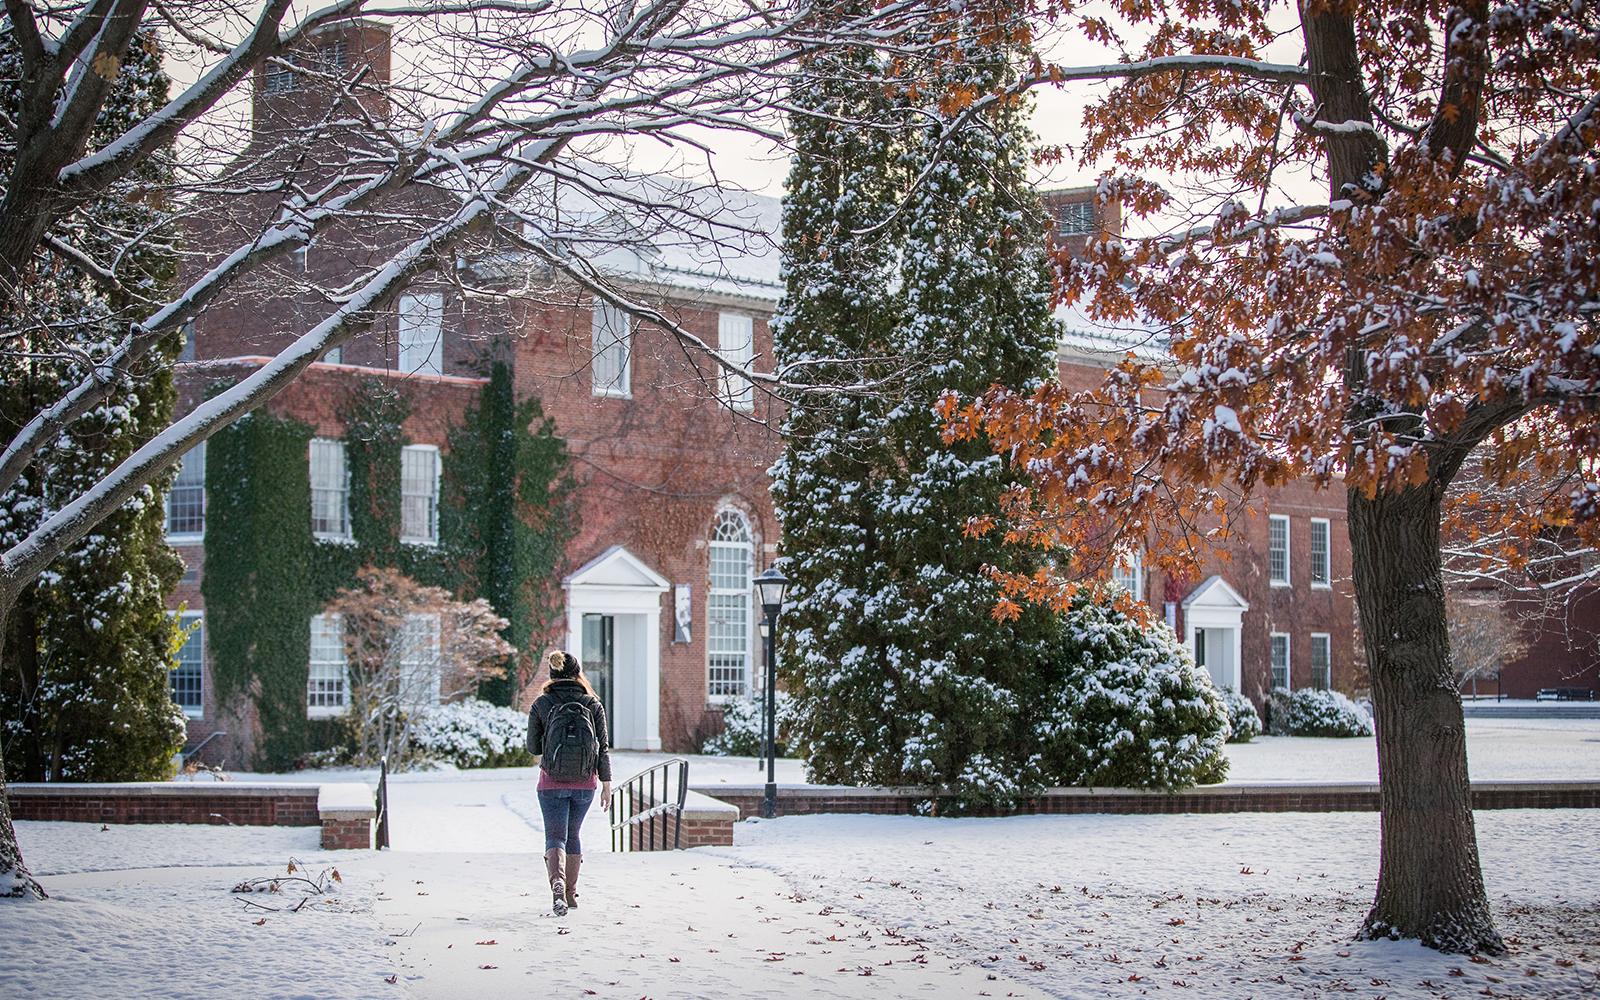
189 755
649 805
381 839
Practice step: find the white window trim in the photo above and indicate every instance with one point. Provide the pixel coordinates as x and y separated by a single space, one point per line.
737 391
185 537
1327 640
185 618
348 533
1135 562
749 596
1288 661
1288 551
327 711
1327 554
622 388
431 540
431 305
434 629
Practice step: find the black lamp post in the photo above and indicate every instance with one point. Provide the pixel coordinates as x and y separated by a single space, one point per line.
770 587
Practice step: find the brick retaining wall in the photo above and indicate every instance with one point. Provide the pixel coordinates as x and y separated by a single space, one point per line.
344 811
1226 798
167 802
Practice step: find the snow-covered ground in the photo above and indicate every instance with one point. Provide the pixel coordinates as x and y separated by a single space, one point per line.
1228 906
1208 906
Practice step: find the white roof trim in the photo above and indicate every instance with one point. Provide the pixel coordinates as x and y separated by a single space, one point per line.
617 567
1214 592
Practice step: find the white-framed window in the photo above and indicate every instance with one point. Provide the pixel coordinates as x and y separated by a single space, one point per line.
278 78
330 489
327 678
736 339
1280 660
1278 550
611 344
1075 218
186 501
728 606
415 652
186 350
1321 661
1129 574
422 334
1321 552
336 57
187 677
334 355
419 494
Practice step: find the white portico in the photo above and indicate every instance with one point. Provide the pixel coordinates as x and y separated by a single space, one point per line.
614 626
1213 626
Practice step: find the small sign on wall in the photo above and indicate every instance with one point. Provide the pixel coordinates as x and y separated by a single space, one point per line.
682 617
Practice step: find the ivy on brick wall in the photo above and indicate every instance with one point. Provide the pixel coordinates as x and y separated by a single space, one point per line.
504 520
510 495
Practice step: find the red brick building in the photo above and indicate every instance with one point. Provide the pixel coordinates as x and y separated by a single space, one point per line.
670 462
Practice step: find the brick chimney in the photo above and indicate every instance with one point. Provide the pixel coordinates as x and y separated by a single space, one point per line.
288 97
1078 219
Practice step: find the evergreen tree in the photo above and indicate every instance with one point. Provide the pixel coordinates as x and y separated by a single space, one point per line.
900 672
839 236
84 693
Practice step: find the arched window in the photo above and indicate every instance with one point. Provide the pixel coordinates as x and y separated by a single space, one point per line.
728 607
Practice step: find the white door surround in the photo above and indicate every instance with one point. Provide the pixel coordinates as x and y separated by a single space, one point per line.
619 584
1217 610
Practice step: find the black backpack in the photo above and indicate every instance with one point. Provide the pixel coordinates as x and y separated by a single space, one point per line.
571 748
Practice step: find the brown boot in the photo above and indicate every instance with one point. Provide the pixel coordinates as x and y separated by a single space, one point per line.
555 863
574 862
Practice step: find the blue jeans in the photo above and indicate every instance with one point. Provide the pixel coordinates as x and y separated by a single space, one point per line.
564 809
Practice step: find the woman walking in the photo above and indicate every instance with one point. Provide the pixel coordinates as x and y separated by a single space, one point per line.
567 737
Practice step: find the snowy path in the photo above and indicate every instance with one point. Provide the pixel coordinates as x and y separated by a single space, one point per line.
1222 907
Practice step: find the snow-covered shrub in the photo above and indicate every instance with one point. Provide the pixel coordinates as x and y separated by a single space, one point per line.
472 733
743 728
1129 708
1242 717
1325 713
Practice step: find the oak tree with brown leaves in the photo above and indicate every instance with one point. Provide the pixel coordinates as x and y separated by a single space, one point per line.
1433 309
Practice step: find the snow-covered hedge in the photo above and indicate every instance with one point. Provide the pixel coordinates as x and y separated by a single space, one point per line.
1242 717
743 731
1129 708
1309 712
472 733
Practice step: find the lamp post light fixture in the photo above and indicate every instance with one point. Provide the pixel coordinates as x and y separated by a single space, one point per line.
770 588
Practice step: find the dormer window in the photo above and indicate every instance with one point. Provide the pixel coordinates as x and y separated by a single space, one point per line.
279 78
336 57
1075 218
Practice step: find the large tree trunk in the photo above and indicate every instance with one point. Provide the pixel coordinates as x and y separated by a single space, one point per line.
15 880
1430 883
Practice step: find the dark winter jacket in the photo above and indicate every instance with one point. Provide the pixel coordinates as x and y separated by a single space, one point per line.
559 693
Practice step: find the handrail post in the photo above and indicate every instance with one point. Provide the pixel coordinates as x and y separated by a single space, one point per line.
383 803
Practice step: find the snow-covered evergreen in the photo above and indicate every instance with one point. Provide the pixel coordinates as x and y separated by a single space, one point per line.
1243 720
1310 712
84 694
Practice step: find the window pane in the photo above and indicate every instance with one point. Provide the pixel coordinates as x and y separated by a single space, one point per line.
1321 662
1320 572
1129 575
188 677
1075 218
186 503
611 361
330 489
421 334
415 652
1280 661
419 493
1278 551
728 607
325 680
736 340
